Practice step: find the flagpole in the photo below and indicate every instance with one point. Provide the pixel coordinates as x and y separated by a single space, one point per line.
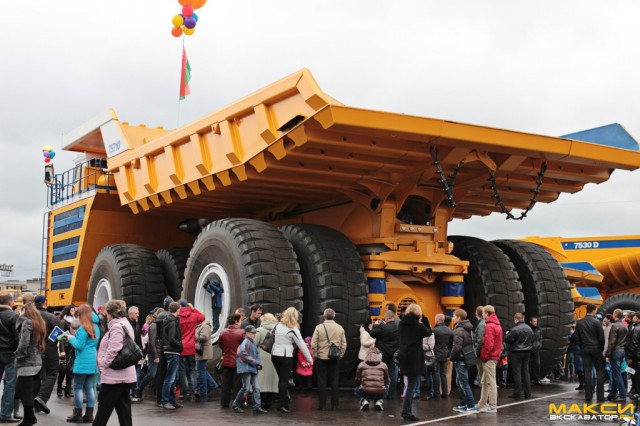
179 100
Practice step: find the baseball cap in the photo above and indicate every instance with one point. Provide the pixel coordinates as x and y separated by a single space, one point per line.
183 302
40 299
249 329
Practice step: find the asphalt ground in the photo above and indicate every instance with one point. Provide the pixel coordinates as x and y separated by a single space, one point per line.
534 411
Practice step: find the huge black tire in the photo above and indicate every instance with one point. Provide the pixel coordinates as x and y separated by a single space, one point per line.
491 279
547 295
332 277
252 260
624 301
173 262
129 272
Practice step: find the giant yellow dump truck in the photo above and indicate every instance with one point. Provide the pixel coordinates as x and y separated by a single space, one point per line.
290 198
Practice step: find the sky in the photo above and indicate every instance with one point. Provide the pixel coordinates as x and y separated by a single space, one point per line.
544 67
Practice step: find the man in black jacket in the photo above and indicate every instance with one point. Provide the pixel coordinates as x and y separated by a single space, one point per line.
49 372
632 351
8 345
172 347
443 336
535 351
462 338
386 334
591 339
520 341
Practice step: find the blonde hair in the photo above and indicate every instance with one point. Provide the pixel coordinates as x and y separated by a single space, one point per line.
267 318
414 309
489 309
290 317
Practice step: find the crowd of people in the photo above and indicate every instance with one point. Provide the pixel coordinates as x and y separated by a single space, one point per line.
401 357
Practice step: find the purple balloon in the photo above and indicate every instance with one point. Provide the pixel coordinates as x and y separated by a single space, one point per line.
46 154
189 22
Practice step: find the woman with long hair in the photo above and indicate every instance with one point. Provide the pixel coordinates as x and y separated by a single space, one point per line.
85 344
287 334
28 357
116 384
65 371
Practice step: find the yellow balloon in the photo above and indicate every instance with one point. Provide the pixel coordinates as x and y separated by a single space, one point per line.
47 148
177 21
189 31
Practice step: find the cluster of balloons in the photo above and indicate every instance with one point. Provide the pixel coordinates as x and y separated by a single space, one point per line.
47 153
185 23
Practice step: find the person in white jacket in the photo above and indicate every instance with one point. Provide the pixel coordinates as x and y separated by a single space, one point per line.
287 335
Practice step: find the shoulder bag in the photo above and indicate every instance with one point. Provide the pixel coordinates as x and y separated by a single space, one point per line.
129 355
269 339
469 355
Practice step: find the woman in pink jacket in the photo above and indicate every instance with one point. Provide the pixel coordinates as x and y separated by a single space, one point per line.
115 384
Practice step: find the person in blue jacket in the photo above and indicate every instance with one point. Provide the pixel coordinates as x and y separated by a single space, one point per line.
247 364
85 343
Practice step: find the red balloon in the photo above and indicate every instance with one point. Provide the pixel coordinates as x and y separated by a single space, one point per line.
47 160
176 31
187 10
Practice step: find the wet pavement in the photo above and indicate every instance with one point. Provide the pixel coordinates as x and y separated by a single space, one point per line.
534 411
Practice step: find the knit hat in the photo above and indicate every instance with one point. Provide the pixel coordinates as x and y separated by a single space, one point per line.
40 299
167 302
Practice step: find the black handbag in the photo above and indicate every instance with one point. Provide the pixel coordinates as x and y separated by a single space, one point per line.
129 355
429 361
334 351
268 341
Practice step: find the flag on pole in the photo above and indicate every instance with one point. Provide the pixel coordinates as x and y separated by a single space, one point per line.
185 75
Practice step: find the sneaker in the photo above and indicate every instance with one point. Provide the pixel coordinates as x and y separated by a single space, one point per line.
168 406
39 403
545 380
473 409
238 410
364 405
460 408
487 409
135 399
178 404
379 405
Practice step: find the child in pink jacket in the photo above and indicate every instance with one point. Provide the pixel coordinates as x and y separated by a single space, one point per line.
304 369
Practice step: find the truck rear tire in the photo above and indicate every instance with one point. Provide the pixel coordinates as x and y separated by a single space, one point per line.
491 279
547 295
624 301
332 277
254 263
173 262
128 272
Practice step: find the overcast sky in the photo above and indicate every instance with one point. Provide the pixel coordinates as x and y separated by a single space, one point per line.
549 67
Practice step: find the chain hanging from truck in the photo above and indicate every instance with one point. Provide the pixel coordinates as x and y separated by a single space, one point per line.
532 200
447 184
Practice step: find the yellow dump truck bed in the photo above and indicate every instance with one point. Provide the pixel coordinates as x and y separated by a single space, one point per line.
290 148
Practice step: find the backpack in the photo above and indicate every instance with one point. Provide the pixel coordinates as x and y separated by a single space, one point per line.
269 340
334 351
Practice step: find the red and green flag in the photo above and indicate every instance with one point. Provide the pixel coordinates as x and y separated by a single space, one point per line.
185 76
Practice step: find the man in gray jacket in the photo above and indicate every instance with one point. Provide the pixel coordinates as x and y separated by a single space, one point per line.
615 355
478 334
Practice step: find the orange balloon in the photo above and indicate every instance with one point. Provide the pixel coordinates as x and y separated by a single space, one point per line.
197 4
176 31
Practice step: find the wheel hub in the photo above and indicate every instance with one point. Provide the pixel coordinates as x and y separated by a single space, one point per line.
103 293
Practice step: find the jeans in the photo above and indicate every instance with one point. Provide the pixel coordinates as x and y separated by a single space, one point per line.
8 368
148 378
188 374
429 377
440 378
205 381
328 370
393 379
248 380
489 394
283 367
607 373
170 379
83 383
618 388
462 381
519 362
406 405
368 395
114 396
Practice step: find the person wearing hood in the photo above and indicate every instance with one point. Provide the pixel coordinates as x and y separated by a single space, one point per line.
206 383
461 339
161 371
372 377
189 318
490 355
412 329
85 344
520 341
